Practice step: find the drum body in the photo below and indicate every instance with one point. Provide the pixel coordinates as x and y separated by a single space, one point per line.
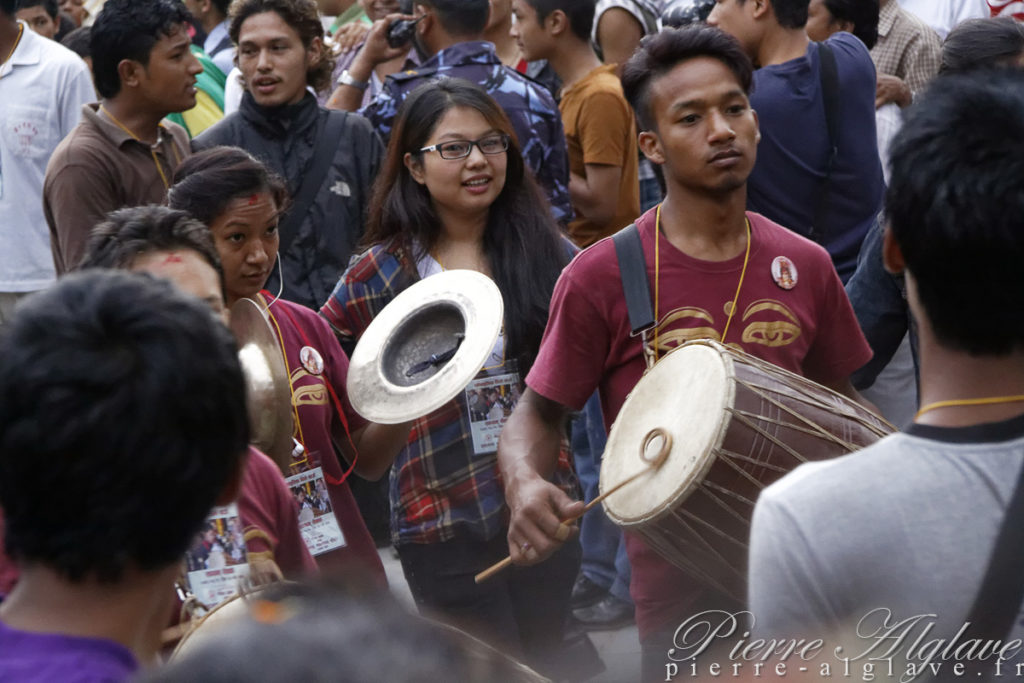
737 424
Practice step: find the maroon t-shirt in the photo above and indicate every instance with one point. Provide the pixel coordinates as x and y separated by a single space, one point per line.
320 426
809 329
266 504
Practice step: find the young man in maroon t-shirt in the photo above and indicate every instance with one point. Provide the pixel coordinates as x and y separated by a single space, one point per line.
689 89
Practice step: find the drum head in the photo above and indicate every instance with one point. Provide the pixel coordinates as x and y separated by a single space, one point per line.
687 395
425 346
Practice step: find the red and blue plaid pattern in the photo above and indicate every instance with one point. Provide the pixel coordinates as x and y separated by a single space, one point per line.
439 488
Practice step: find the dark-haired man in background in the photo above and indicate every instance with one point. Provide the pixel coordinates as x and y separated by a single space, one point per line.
909 523
121 154
136 412
281 53
41 16
449 35
829 190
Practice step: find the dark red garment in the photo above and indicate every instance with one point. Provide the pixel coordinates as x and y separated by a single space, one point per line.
266 504
320 427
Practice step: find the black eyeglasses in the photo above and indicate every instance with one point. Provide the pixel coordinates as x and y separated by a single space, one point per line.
460 149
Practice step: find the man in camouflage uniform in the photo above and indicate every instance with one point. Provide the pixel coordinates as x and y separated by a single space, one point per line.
449 34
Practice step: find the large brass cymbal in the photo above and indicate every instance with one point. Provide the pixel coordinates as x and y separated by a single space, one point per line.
266 378
425 346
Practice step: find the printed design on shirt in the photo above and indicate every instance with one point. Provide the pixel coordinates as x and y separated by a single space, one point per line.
25 134
768 329
312 393
767 322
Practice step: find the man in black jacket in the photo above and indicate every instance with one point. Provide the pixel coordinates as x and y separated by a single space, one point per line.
281 54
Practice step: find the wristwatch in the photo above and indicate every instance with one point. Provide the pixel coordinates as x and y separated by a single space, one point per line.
346 79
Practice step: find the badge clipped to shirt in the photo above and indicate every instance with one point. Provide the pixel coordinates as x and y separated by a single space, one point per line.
490 399
784 272
217 562
311 360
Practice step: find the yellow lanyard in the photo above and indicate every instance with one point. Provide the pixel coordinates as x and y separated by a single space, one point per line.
657 278
17 41
986 401
152 148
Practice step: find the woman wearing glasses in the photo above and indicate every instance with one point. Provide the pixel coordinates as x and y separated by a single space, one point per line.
454 193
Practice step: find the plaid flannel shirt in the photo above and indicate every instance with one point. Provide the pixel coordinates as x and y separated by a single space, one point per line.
907 47
439 489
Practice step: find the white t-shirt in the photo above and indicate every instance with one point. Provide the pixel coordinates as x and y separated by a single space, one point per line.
42 87
943 15
906 525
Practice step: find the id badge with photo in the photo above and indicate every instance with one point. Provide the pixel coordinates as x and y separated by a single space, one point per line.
317 521
217 561
490 399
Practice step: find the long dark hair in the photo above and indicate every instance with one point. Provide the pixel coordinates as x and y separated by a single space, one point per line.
522 243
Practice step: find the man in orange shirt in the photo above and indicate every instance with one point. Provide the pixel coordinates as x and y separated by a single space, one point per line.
599 123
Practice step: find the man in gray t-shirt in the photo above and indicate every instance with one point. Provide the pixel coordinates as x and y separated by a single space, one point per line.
894 540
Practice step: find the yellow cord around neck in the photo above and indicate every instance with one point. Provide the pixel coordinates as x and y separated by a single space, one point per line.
17 41
985 401
657 280
152 148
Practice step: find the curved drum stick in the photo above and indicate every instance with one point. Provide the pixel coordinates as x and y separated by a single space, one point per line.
563 528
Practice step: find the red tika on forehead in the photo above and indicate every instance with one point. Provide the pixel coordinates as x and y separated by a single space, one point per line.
254 199
172 258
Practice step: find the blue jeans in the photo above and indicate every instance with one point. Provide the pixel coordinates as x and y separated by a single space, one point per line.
604 552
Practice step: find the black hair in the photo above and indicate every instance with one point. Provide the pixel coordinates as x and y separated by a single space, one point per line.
789 13
128 29
298 632
303 17
207 182
660 53
460 18
49 6
523 246
8 7
124 400
579 12
863 14
954 203
126 234
981 43
78 41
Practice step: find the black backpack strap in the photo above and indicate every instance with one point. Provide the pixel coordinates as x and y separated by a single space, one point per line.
224 44
830 95
633 272
998 601
326 145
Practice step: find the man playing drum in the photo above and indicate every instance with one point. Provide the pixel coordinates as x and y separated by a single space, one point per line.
689 89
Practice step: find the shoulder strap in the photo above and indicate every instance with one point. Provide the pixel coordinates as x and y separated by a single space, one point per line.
326 145
830 95
633 272
998 601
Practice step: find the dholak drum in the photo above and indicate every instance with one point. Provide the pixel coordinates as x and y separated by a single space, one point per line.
733 424
214 622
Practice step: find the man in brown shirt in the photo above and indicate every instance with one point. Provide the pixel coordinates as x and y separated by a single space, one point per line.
599 125
120 154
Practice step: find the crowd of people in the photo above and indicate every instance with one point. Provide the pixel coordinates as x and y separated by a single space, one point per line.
830 186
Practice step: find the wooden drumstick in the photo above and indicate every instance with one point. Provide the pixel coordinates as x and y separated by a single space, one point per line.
563 528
